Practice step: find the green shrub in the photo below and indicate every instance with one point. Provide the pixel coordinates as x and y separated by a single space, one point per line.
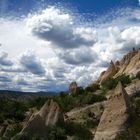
38 102
76 129
56 133
123 136
79 91
21 137
109 83
13 130
92 88
124 79
69 102
12 110
138 75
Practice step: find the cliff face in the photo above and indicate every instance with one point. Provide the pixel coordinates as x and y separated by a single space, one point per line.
116 114
129 65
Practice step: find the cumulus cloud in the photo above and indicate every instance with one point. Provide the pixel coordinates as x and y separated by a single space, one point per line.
4 60
125 40
59 28
5 79
63 51
32 64
79 56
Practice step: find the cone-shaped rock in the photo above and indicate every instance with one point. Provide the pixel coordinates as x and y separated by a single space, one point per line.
111 71
50 114
115 115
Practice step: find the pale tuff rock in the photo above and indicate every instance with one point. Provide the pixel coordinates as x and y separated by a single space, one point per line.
3 129
73 87
50 114
130 64
133 87
111 71
115 115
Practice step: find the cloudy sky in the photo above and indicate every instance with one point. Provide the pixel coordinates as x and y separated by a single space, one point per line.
46 44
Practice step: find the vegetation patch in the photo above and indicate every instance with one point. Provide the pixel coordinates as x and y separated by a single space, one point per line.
68 102
111 83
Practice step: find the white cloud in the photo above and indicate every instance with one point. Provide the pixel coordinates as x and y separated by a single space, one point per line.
59 28
63 50
78 56
15 39
32 63
4 59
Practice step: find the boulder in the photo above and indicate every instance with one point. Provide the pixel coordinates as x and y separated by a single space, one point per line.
115 116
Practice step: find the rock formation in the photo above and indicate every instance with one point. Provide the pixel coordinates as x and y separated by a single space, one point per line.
133 87
115 115
2 130
73 87
111 71
50 114
129 65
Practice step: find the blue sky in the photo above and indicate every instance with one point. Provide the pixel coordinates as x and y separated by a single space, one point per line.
46 44
98 7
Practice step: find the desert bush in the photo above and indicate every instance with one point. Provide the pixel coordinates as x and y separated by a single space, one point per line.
138 75
16 128
111 83
12 110
69 102
56 133
78 130
38 102
124 79
92 88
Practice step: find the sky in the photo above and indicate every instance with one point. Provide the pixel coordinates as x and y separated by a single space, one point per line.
47 44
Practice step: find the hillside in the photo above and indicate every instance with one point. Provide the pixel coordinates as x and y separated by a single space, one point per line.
108 109
23 96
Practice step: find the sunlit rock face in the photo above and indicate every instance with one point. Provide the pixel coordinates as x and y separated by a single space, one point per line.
50 114
115 116
111 71
129 65
72 87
